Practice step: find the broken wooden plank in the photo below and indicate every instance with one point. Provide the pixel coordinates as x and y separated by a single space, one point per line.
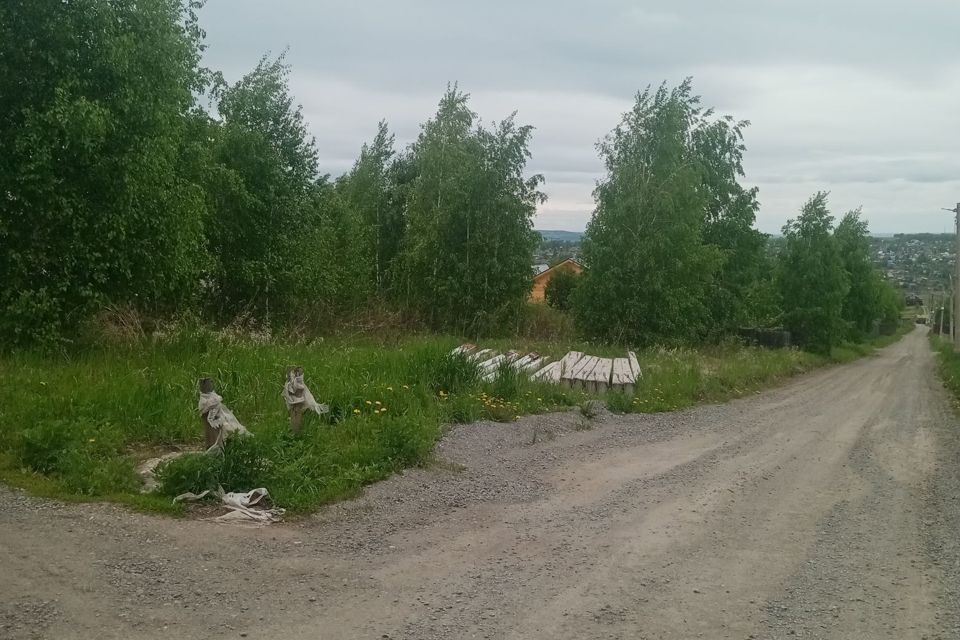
483 354
621 374
585 378
576 377
549 373
492 363
464 349
583 367
600 376
521 363
634 365
569 361
536 363
622 378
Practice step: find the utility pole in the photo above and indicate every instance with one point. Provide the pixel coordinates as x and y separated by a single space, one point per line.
943 310
956 277
953 295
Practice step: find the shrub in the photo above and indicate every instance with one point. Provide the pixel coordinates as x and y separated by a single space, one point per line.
560 288
45 447
194 472
542 322
240 467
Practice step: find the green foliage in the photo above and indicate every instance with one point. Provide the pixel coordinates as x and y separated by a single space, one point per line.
372 188
330 267
75 426
870 299
740 293
260 189
82 457
452 373
190 473
559 289
543 323
469 240
95 209
241 466
647 266
507 381
948 362
619 402
812 280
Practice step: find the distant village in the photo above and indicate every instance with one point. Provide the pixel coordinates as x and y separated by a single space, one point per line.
919 264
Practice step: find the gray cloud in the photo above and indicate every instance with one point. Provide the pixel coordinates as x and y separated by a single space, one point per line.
851 96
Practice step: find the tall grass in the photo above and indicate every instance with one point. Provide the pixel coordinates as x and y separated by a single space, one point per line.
75 426
82 421
948 364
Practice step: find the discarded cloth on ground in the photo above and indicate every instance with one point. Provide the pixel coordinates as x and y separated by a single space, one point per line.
252 507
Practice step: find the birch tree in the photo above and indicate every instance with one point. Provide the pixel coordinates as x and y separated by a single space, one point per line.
811 278
469 242
648 269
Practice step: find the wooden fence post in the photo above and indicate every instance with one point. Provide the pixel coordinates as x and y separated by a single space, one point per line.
209 433
295 392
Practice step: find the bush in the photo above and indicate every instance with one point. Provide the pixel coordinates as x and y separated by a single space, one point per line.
241 466
46 447
560 288
544 323
194 472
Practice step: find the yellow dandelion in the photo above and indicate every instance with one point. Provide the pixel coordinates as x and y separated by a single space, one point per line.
389 388
383 409
368 402
92 440
405 387
377 402
356 410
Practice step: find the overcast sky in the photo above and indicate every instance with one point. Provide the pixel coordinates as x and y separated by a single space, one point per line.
858 97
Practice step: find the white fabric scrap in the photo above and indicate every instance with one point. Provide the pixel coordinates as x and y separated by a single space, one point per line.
220 418
295 392
252 507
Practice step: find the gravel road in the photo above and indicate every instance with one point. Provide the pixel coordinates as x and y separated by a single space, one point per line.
827 508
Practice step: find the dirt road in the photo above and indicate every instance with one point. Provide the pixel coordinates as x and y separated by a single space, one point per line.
827 508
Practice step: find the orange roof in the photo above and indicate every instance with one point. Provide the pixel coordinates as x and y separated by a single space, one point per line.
557 266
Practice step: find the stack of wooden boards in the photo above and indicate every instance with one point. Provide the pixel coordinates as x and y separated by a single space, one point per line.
576 369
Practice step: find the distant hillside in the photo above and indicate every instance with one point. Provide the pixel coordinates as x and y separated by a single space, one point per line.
560 236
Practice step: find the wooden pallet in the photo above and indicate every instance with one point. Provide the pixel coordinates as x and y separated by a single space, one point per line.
576 369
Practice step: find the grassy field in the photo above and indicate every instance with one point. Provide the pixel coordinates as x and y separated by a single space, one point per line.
948 364
75 427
